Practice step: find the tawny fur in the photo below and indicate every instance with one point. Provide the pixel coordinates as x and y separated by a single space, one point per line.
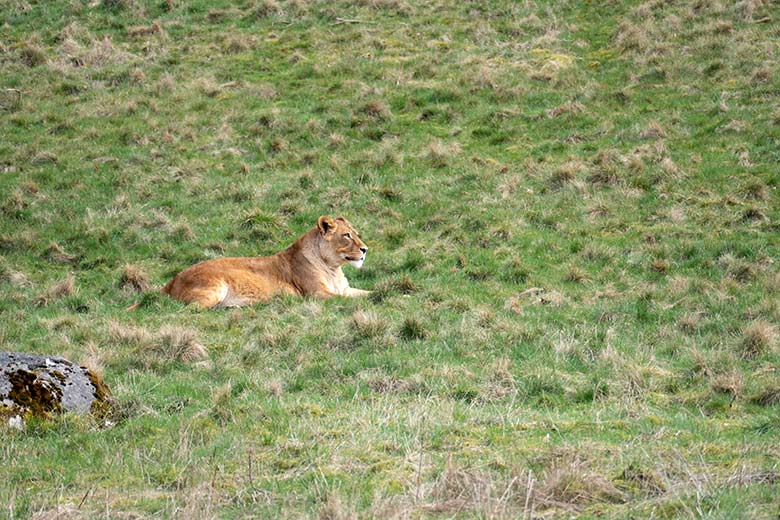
311 266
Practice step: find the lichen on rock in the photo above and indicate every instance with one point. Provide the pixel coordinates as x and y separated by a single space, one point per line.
39 385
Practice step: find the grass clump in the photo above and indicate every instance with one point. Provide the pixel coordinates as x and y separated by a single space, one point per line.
412 329
169 343
32 55
133 279
59 290
757 339
367 325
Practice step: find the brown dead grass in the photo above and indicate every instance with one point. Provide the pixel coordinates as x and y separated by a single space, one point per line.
63 289
632 37
98 53
769 396
575 275
56 253
440 154
178 343
170 343
653 130
606 168
367 324
335 509
730 383
690 323
138 31
567 173
754 189
32 55
377 109
572 486
758 338
61 512
133 279
571 107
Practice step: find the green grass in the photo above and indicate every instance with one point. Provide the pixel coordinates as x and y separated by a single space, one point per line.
572 215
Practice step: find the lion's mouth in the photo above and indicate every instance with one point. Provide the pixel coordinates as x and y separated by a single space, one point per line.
355 262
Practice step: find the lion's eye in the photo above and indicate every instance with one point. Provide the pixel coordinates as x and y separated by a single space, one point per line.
347 235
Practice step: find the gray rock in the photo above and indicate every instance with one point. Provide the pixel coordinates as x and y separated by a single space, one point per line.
32 384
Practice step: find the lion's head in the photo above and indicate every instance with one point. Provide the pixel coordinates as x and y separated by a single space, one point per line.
341 242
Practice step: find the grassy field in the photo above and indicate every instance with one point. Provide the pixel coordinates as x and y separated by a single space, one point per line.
572 217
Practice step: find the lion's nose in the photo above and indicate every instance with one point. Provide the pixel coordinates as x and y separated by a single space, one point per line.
364 249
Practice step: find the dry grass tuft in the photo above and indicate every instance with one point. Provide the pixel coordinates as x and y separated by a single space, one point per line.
62 289
768 396
146 30
570 484
654 130
460 489
133 279
368 325
440 154
266 8
661 266
377 109
757 338
384 288
336 140
12 276
413 328
275 387
100 53
334 509
566 173
689 323
754 189
730 383
56 253
572 107
575 275
606 169
128 335
753 214
761 75
234 44
723 27
747 8
62 512
170 343
632 37
177 344
32 55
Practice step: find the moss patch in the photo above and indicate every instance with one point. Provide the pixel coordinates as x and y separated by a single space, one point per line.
34 395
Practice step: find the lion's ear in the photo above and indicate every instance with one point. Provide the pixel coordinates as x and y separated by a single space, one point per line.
325 224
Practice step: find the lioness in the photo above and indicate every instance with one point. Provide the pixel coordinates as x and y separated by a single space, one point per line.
312 265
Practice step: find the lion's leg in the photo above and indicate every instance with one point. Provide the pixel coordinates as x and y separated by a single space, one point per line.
355 293
207 297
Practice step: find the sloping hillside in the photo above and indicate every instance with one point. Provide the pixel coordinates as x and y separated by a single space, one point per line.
572 216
